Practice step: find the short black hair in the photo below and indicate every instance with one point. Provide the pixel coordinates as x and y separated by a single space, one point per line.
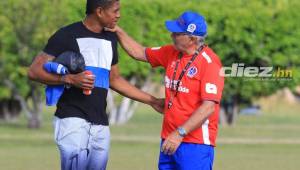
92 5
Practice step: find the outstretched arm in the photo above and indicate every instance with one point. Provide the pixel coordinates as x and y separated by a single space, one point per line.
133 48
120 85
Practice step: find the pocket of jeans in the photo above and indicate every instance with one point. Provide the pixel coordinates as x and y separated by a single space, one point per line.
56 128
67 126
101 138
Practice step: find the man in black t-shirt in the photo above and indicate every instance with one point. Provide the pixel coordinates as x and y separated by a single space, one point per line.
80 122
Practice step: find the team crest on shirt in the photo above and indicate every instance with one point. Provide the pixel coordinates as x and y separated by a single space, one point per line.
192 72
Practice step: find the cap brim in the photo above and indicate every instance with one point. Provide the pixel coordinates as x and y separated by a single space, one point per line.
173 26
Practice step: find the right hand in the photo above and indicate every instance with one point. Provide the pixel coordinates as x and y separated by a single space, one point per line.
81 80
158 105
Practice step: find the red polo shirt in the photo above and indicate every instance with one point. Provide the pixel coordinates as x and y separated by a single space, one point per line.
201 81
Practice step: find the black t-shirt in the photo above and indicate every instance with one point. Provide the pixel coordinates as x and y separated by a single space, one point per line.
100 53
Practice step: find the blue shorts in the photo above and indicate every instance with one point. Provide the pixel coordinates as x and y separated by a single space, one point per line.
188 156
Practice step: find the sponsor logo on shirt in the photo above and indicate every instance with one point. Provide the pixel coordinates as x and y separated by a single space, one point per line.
168 84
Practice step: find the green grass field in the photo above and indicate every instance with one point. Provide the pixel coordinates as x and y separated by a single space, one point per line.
264 142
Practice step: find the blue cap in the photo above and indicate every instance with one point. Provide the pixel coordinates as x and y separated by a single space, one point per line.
189 22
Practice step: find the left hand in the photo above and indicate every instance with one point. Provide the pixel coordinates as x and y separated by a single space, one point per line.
115 29
171 143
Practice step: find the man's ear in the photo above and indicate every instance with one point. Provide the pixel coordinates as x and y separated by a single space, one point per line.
99 11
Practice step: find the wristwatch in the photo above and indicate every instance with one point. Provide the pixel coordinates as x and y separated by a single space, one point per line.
181 131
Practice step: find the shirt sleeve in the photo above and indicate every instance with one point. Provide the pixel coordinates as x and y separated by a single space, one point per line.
57 43
115 58
212 83
157 56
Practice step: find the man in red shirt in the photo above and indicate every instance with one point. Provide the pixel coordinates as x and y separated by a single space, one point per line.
193 92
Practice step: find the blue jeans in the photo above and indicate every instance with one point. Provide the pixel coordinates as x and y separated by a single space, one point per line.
82 145
188 156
